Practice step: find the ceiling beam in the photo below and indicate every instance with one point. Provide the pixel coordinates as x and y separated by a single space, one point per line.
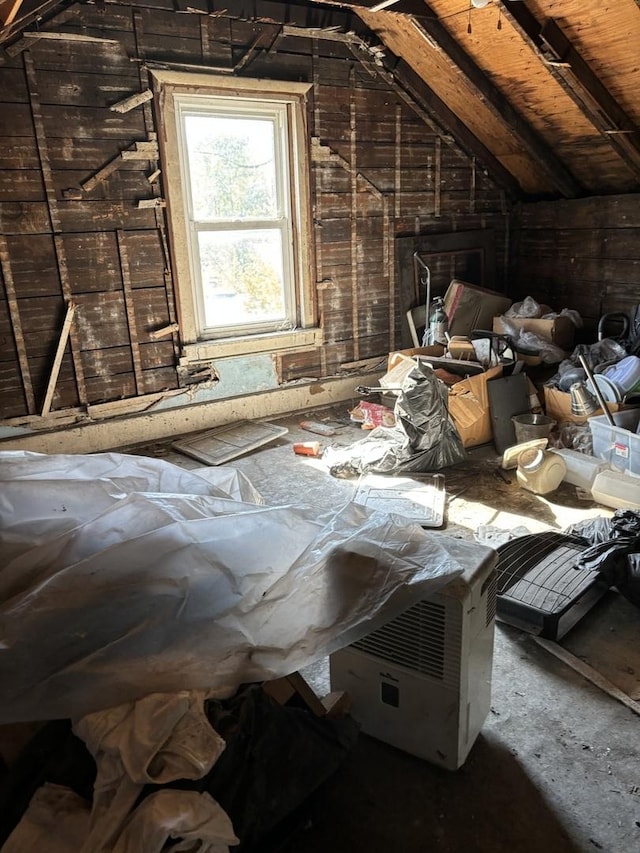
8 11
579 81
440 39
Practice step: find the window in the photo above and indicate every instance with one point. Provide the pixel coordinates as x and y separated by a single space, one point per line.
237 191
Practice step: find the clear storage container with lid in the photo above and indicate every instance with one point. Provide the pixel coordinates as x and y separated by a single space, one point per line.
625 374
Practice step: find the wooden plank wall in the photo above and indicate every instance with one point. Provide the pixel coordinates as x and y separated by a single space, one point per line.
582 254
391 176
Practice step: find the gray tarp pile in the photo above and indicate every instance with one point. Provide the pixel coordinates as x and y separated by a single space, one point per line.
124 576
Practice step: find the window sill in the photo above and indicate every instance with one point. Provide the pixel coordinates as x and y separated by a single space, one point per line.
297 339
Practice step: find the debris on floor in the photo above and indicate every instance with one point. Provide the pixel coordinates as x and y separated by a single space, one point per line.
222 444
207 773
423 439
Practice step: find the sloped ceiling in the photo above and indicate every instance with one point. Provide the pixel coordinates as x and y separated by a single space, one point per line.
545 93
550 87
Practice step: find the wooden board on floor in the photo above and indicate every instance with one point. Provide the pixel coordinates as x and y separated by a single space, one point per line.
220 445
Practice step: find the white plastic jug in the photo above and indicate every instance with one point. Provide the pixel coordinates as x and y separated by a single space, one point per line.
539 471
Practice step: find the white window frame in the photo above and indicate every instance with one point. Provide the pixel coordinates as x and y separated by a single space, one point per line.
176 88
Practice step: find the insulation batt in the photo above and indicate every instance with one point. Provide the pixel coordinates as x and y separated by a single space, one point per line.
123 576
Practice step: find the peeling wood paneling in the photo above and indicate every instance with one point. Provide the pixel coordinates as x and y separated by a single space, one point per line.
582 254
388 182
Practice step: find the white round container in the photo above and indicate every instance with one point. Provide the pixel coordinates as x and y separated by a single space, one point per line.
540 472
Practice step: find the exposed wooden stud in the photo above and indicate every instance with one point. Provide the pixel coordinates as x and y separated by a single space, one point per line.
397 161
199 68
16 325
54 216
128 104
147 112
353 153
130 311
368 185
437 179
472 186
74 337
57 361
41 143
317 225
8 11
205 46
388 271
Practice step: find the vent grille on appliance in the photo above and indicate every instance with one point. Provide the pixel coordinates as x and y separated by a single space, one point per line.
418 641
492 598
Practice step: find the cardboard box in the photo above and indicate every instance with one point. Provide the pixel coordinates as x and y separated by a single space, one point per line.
559 331
469 307
557 405
396 356
469 408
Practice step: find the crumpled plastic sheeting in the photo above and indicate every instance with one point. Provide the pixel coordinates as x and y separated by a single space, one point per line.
57 820
165 592
156 740
196 819
29 515
424 438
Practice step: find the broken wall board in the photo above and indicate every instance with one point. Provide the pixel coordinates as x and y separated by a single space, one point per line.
223 444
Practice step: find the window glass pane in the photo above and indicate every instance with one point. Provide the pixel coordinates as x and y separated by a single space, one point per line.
232 167
242 277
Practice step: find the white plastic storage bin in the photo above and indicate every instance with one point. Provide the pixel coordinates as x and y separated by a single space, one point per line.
618 445
616 489
581 469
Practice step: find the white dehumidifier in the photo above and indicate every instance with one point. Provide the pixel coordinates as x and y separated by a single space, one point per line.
422 682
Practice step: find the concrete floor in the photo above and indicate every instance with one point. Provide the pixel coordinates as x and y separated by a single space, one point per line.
556 765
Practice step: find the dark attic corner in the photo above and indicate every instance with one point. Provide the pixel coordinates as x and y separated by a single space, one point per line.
319 426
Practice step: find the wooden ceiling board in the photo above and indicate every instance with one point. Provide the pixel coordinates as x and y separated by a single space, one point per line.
608 39
401 36
519 73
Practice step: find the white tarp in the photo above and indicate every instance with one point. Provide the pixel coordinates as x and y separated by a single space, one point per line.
123 576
